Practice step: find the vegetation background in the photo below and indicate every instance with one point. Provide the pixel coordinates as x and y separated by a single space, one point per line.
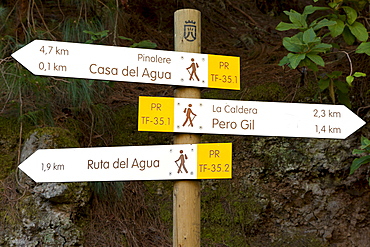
139 213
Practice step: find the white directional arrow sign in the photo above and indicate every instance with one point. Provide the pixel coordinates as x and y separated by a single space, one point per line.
113 63
171 162
246 118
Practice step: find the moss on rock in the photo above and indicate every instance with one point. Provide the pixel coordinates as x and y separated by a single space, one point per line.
9 139
228 213
55 136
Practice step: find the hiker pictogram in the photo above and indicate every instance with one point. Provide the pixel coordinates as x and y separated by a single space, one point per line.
182 159
190 115
193 71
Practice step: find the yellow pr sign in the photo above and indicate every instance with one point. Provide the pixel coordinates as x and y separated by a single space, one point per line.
156 114
214 161
223 72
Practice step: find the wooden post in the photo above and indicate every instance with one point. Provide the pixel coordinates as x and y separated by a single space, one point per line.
186 194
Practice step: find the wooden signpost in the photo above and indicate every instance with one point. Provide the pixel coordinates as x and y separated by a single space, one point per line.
186 194
187 115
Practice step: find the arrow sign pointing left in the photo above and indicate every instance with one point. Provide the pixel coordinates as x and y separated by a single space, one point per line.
170 162
113 63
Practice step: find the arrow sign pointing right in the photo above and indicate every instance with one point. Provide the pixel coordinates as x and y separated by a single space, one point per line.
246 118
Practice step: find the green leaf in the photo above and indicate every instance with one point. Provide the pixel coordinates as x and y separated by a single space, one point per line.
88 32
358 151
364 142
349 80
351 14
298 39
102 34
358 162
359 31
361 4
343 98
295 59
324 84
333 5
359 74
125 38
296 18
336 29
335 74
364 48
322 47
309 9
324 23
309 64
341 86
316 59
284 61
283 26
144 44
309 36
348 37
292 46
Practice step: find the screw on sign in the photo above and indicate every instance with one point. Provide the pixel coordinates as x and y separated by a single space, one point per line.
124 64
249 118
127 163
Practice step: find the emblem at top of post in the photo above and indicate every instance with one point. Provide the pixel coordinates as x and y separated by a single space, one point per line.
190 30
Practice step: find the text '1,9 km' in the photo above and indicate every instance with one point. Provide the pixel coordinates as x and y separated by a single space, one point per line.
51 167
113 63
167 162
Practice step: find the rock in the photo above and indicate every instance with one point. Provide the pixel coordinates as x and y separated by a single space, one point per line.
47 210
309 188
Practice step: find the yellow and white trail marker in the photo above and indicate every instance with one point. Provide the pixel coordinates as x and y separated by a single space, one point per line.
128 163
233 117
114 63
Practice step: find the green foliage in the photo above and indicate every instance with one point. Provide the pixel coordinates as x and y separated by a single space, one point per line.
73 29
108 191
306 48
350 78
96 36
364 48
332 83
364 149
142 44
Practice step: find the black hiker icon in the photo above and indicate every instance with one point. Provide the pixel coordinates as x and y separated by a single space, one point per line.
189 116
193 68
182 159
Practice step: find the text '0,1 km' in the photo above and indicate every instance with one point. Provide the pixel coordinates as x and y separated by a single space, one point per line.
113 63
